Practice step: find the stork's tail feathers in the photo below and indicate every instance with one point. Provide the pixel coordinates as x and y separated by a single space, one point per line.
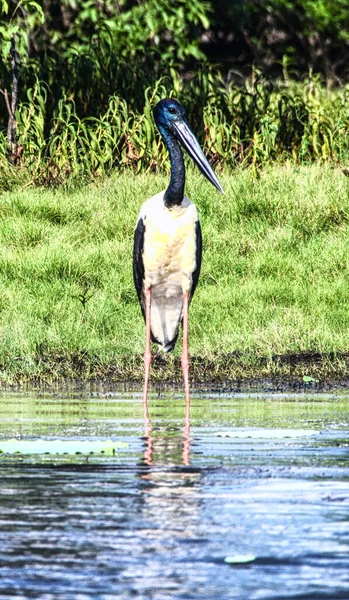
167 346
166 312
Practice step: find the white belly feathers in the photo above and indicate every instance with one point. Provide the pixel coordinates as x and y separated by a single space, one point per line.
169 242
169 259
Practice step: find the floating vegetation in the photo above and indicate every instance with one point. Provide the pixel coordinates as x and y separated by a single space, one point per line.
73 447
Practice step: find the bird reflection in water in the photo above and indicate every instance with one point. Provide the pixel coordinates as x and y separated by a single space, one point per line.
168 505
164 446
170 489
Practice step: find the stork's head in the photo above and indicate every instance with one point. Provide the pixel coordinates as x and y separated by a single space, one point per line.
167 112
171 120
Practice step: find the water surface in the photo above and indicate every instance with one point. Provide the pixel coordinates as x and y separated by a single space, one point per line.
158 519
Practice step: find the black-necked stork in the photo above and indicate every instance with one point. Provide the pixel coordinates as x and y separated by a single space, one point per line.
167 243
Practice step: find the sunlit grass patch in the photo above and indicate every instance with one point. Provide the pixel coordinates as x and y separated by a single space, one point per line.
274 279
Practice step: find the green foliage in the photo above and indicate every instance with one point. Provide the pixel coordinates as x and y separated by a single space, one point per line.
250 122
323 16
309 33
87 71
26 16
86 51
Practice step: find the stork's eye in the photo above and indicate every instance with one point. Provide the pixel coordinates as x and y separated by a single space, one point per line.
172 110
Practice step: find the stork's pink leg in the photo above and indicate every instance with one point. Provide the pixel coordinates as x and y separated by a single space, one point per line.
147 353
185 357
148 452
186 434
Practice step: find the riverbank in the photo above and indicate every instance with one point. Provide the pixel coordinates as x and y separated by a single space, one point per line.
272 300
302 372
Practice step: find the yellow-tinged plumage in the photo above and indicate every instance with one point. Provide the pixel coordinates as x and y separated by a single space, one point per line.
170 258
169 242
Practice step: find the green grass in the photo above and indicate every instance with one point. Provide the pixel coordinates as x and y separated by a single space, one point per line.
274 280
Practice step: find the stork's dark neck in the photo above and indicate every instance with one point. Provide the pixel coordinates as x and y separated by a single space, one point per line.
175 191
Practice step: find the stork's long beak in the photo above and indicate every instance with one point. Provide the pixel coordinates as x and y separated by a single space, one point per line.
192 146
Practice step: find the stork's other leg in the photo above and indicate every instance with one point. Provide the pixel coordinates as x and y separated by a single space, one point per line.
147 353
185 357
186 434
148 451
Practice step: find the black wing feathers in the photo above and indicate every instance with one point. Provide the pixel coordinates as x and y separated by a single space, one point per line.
198 254
138 267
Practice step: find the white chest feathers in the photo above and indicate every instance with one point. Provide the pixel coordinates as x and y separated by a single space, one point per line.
169 242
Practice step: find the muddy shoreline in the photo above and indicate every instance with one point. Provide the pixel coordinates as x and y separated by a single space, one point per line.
312 372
